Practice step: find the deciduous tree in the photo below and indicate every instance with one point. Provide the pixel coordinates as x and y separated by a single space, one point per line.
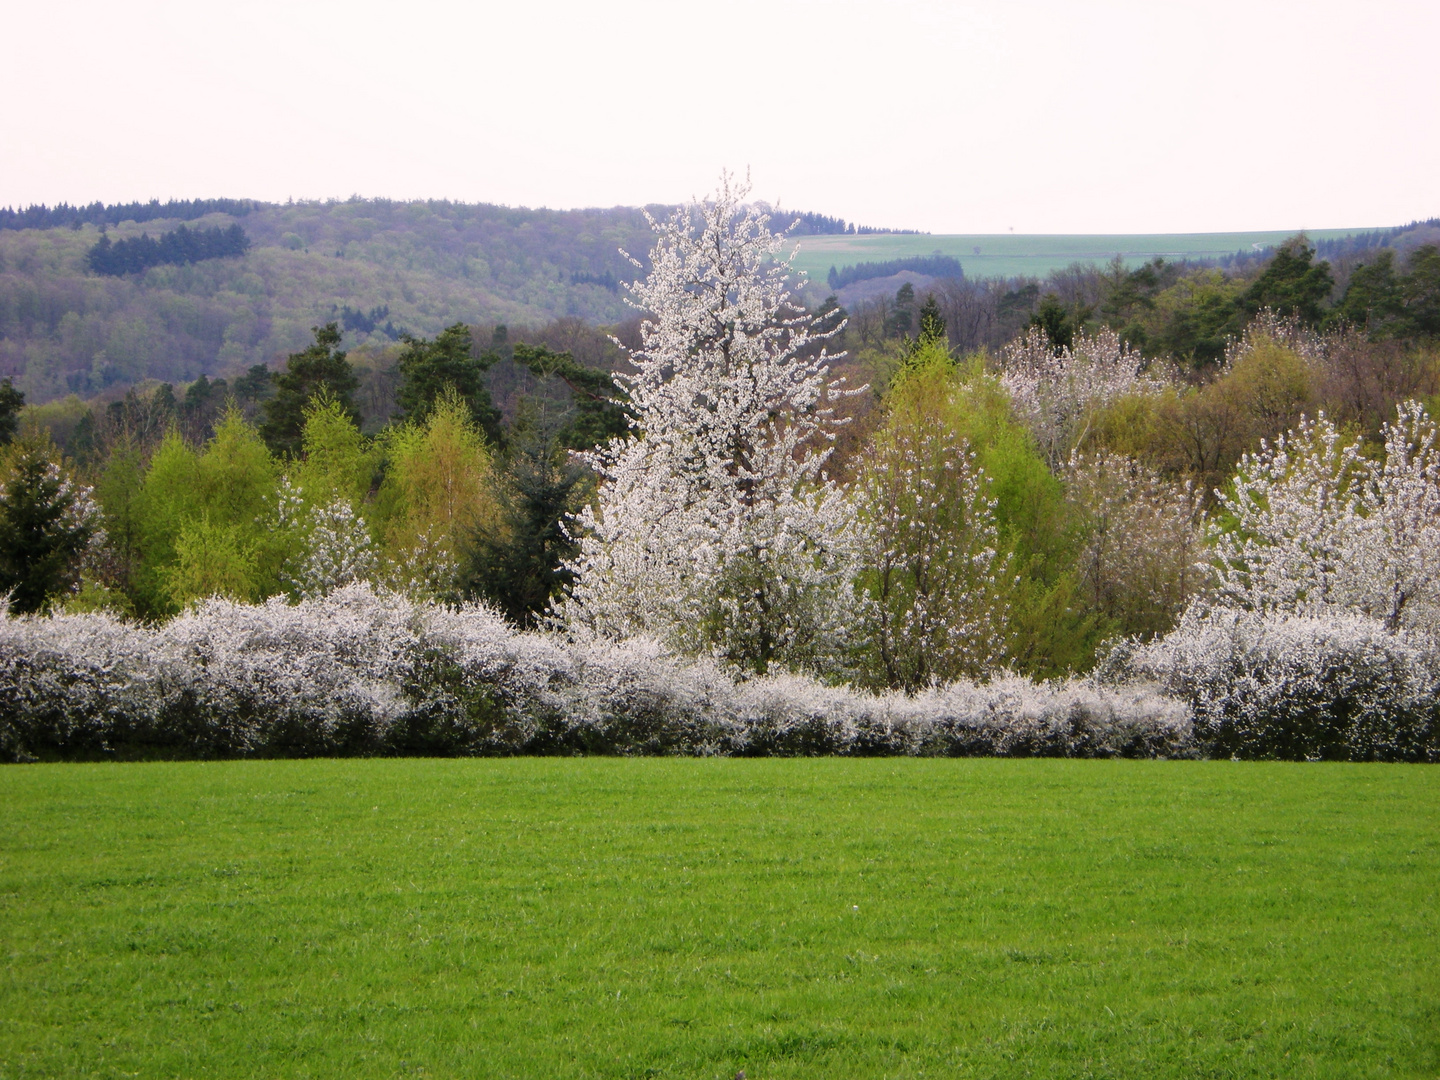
715 527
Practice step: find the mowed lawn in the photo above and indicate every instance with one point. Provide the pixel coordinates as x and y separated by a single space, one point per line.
691 918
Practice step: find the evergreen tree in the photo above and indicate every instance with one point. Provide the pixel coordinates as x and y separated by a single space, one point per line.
518 561
932 324
47 523
1421 291
932 332
1372 300
597 404
1291 284
428 367
902 316
320 367
11 402
1058 323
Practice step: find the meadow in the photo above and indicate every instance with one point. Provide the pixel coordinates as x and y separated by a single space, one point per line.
1018 254
690 918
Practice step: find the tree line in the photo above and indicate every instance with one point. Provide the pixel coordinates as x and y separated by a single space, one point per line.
1173 311
941 266
63 215
963 509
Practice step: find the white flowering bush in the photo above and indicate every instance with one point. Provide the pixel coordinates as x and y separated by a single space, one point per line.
714 528
1143 559
365 672
338 551
1314 526
1334 686
1057 394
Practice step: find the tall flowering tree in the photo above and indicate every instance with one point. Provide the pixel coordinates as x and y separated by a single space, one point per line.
715 528
938 582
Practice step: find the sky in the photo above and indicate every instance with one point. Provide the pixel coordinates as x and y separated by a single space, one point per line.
1041 116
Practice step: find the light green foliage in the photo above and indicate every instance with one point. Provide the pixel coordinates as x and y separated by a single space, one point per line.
338 462
1037 531
676 919
212 560
1050 632
438 490
196 508
166 499
940 589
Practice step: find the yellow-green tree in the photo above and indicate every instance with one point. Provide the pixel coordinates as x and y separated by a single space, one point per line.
939 585
438 489
206 520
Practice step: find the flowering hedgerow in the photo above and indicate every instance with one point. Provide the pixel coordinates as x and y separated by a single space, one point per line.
1334 686
366 672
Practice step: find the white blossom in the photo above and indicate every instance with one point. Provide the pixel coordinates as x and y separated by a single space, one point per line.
1332 685
937 578
1316 526
362 671
338 551
714 528
1057 393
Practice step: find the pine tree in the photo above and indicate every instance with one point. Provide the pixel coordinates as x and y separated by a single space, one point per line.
428 367
47 523
11 402
320 367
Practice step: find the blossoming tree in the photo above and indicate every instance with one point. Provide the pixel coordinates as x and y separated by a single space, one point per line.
1056 393
715 528
1316 526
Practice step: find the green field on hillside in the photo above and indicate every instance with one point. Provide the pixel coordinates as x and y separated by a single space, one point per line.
690 918
1012 255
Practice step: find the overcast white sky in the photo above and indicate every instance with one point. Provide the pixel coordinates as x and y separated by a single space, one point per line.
1037 115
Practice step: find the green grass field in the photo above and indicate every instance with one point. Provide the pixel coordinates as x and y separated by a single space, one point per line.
1011 255
690 918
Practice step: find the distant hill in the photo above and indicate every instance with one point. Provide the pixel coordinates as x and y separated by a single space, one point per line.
378 267
382 268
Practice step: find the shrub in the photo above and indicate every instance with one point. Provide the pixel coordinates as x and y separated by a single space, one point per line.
361 672
1312 687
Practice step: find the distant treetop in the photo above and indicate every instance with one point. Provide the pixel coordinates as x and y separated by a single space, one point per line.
806 223
63 214
940 266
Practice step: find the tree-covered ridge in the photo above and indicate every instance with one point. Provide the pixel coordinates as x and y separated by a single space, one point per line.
381 268
175 248
63 215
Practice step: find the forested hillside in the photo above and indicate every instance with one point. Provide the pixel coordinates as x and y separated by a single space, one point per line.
65 328
98 298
